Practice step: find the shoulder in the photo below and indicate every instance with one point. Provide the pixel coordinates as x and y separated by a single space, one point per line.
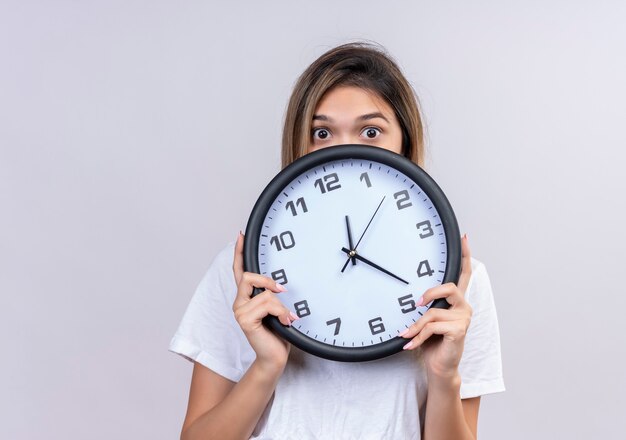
481 363
479 287
217 288
220 272
479 295
208 332
223 261
479 271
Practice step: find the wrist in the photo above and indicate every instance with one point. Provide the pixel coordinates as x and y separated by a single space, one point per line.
271 369
444 381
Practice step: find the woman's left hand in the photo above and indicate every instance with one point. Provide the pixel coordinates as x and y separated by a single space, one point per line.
442 355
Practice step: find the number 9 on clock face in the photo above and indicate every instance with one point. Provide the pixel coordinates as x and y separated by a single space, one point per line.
356 234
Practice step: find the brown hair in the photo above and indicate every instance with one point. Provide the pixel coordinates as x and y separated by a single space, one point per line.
362 65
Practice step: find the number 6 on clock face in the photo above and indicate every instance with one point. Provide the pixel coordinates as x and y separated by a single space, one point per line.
358 233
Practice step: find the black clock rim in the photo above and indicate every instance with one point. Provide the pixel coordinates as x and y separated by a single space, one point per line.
344 152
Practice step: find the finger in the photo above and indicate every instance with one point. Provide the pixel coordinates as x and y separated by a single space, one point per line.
238 258
453 329
466 265
432 315
449 291
249 319
426 333
249 281
262 305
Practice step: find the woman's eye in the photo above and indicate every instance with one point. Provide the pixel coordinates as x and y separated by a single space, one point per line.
371 133
320 133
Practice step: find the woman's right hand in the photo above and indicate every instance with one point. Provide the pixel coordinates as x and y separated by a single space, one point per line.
271 351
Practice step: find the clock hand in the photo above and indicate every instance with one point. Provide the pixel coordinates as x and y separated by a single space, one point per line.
370 222
363 234
350 238
353 254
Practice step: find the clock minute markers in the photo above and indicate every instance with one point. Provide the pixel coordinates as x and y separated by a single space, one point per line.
395 239
353 254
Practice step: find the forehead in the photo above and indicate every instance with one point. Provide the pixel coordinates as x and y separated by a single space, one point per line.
351 101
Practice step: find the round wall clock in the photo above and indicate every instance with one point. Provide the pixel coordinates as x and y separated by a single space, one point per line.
356 234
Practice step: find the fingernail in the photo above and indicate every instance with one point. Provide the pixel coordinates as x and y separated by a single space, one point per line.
280 287
293 316
408 346
289 322
403 332
465 236
420 301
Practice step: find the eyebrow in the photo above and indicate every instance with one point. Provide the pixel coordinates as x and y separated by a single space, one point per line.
374 115
365 117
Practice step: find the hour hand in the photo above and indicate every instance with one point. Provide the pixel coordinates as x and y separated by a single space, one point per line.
353 254
350 239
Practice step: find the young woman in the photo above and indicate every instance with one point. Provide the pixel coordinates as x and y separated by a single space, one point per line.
248 383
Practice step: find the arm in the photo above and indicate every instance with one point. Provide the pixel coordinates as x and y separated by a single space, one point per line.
441 333
447 415
219 408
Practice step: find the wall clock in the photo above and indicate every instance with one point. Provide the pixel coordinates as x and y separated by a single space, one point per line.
356 234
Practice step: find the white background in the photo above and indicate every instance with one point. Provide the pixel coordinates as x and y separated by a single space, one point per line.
136 135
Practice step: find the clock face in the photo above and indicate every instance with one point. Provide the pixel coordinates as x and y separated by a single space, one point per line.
356 234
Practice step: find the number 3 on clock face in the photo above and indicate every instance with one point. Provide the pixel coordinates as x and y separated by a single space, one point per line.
356 234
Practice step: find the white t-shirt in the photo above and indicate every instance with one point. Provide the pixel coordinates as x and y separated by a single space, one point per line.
320 399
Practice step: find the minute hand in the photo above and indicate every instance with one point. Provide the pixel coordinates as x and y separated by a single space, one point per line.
353 254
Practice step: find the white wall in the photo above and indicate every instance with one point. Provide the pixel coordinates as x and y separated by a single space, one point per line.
136 135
